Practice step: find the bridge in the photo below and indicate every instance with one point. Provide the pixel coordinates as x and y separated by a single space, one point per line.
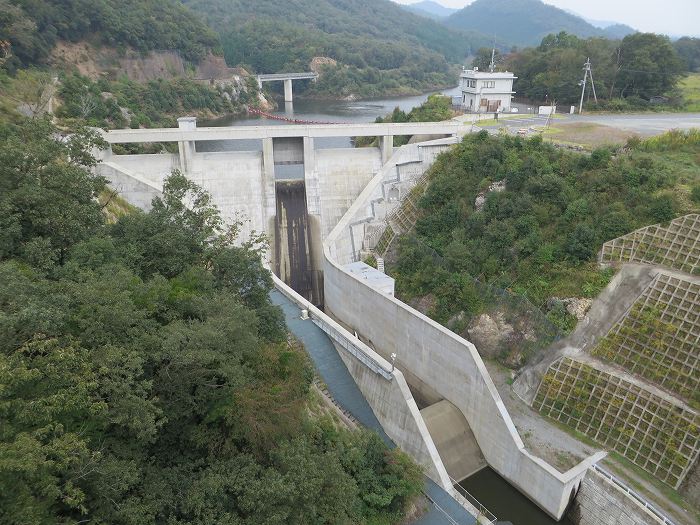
324 210
287 78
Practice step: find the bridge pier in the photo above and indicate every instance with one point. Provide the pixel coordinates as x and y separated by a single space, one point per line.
288 96
186 149
386 145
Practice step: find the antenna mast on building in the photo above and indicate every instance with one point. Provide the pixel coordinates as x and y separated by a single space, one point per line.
587 72
492 65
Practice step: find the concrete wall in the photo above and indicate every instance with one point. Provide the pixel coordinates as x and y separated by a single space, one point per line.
342 175
137 191
438 357
602 502
235 180
384 388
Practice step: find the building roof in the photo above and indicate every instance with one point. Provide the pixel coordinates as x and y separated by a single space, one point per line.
476 74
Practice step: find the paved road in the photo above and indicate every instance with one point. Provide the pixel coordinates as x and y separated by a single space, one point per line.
645 124
344 390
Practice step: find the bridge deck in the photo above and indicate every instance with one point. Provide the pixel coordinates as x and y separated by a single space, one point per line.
344 390
122 136
286 76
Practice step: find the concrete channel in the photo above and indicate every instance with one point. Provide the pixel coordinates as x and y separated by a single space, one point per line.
330 367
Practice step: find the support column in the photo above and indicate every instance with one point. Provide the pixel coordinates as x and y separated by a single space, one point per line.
311 179
259 83
186 148
269 205
386 145
288 97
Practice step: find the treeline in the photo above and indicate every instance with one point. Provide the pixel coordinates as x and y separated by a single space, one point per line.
145 376
539 236
627 72
33 27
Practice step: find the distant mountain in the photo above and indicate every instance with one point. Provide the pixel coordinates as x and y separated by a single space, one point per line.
332 27
431 9
525 22
618 31
610 28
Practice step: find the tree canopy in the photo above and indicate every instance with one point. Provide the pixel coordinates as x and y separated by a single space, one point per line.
539 236
638 67
33 27
145 376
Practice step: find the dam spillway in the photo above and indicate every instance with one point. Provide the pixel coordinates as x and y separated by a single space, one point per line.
294 244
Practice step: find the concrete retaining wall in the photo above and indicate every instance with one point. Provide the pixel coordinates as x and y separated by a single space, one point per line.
602 502
447 363
136 190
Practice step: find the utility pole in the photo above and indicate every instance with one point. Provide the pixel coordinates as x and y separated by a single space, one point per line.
587 72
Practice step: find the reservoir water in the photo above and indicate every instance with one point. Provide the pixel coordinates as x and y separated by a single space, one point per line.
335 111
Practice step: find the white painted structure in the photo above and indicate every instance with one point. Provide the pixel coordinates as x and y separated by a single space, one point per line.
486 92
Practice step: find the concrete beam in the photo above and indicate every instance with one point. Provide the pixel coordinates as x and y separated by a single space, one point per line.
125 136
288 95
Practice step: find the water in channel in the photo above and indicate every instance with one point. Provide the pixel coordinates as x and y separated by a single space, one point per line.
505 501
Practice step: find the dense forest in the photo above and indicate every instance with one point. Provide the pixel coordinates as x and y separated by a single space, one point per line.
627 72
33 27
536 234
151 104
146 377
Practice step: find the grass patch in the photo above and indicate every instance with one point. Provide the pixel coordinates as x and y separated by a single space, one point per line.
114 206
586 134
690 87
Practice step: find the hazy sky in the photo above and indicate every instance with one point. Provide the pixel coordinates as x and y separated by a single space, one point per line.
678 17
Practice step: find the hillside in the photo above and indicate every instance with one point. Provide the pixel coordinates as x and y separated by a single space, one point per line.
520 215
523 22
431 9
381 48
33 28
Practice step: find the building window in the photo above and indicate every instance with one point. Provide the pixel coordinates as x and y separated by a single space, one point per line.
470 83
489 83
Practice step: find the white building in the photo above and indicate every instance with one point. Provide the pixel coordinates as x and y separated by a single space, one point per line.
486 92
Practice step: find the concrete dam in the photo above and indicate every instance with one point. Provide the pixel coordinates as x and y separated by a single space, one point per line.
323 211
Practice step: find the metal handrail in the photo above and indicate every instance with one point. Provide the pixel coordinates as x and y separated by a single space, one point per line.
483 511
640 499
